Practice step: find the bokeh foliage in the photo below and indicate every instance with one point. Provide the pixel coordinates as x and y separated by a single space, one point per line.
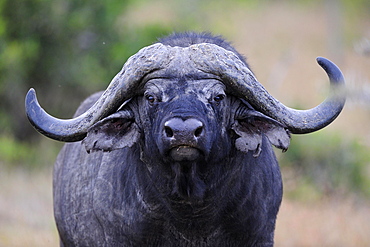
65 49
325 164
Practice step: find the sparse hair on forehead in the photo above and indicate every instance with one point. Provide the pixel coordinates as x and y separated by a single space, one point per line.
186 39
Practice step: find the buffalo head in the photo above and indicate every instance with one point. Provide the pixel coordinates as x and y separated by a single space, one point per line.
210 72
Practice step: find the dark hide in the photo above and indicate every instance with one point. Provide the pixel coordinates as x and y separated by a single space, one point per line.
182 164
108 202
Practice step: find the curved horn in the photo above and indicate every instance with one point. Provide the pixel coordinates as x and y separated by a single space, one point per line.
121 88
237 76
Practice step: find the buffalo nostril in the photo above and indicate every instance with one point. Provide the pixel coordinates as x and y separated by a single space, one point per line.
168 131
198 131
183 130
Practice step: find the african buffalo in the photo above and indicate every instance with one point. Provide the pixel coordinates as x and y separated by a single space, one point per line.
177 150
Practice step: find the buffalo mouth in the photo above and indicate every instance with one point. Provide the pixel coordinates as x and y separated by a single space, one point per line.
188 183
184 153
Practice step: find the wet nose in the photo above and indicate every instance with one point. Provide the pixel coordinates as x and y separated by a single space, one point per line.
183 130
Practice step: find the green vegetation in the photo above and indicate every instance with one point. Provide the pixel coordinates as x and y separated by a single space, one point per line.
25 155
325 164
61 48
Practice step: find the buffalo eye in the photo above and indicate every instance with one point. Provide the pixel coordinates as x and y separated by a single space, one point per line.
150 98
219 98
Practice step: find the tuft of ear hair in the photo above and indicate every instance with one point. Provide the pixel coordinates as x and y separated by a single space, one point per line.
117 131
252 126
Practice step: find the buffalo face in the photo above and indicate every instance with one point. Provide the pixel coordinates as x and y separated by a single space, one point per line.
187 120
186 126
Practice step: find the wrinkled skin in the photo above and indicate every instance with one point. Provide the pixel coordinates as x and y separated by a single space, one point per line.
142 185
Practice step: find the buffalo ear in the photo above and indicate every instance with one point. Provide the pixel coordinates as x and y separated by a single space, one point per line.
116 131
252 125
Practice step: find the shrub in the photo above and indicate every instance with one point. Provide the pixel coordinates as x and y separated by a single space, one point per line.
327 164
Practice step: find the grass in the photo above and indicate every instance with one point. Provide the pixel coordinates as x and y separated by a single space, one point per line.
26 211
328 222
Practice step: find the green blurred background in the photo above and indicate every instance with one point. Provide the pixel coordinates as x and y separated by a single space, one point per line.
67 50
